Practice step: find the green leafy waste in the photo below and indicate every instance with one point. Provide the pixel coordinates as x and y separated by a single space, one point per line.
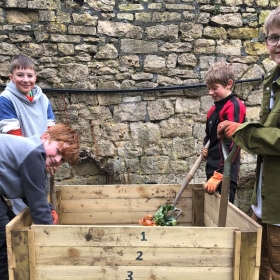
163 218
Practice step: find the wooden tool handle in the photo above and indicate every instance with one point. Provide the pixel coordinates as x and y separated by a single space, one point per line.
53 198
190 175
226 182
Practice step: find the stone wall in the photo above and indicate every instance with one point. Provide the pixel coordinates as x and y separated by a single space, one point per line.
100 45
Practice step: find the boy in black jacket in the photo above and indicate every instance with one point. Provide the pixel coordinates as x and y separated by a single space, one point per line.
220 82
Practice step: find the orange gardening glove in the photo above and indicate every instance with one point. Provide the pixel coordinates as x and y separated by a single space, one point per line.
212 184
227 128
55 217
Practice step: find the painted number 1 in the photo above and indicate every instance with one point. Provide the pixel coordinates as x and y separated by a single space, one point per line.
143 236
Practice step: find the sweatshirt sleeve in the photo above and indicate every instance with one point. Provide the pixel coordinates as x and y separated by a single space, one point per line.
50 114
258 139
8 117
32 173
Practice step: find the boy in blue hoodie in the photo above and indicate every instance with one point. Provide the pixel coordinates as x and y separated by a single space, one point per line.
24 109
23 163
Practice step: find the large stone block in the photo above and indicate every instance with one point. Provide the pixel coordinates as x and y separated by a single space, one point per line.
119 29
73 72
144 134
44 5
17 17
138 46
160 109
81 30
132 112
164 32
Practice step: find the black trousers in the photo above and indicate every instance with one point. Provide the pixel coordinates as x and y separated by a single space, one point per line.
232 191
6 215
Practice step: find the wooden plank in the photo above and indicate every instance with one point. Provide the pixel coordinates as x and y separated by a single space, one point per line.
134 256
208 222
112 218
198 207
133 236
21 220
118 205
167 191
258 247
236 259
31 253
21 255
235 217
134 272
248 255
211 206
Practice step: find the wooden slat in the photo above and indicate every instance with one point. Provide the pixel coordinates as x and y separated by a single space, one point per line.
236 259
167 191
198 207
21 255
134 272
248 255
31 253
235 217
133 236
112 218
118 205
208 222
135 256
211 206
21 220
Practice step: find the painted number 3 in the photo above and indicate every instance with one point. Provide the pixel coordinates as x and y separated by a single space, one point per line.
129 275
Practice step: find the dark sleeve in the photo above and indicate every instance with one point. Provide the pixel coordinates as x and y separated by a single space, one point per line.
207 136
32 173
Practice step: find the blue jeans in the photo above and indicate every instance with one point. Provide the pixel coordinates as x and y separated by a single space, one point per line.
6 215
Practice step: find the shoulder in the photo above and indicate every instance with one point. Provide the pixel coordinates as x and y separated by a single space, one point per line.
273 70
211 110
235 101
17 143
21 146
38 93
6 103
6 93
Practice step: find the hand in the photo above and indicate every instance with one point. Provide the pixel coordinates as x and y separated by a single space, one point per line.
204 153
55 217
227 129
51 170
213 183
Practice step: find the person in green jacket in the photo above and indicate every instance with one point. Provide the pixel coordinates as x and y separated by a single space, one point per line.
263 139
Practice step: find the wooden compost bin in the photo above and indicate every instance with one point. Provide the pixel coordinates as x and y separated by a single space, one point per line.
100 238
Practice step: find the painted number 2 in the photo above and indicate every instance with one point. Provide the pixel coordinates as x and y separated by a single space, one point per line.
129 275
140 254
